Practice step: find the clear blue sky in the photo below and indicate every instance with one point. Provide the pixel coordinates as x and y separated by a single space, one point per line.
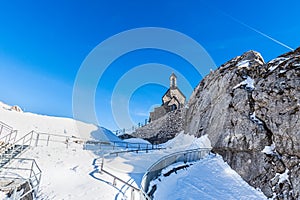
43 43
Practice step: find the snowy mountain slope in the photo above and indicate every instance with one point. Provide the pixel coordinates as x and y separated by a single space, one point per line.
25 122
73 173
105 135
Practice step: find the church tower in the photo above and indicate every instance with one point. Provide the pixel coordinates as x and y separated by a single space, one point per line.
172 100
173 81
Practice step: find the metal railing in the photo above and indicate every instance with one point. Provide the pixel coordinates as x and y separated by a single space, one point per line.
27 171
11 148
8 139
99 163
119 144
116 153
47 138
14 147
155 170
4 128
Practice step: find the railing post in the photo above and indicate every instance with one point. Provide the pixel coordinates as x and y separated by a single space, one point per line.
67 142
9 137
102 163
23 143
132 194
31 169
31 137
37 139
48 140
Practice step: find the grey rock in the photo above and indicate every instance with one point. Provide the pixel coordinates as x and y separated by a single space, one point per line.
245 105
162 129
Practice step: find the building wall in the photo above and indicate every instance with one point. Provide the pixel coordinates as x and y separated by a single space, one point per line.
158 113
178 95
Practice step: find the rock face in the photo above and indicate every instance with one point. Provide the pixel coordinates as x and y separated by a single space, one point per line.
16 108
250 111
162 129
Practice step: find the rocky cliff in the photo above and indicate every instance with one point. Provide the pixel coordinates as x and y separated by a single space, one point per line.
162 129
250 111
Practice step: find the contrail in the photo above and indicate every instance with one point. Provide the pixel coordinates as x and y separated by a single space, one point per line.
259 32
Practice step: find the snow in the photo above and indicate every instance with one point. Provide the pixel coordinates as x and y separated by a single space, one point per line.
284 176
181 141
73 173
209 178
269 149
278 61
248 83
26 122
104 134
2 195
202 142
296 64
255 119
137 140
243 64
282 71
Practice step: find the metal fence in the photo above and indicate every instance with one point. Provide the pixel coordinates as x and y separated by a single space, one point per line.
155 170
112 145
47 139
8 138
24 171
4 128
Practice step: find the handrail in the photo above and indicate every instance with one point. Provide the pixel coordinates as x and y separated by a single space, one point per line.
135 150
5 126
121 144
65 139
33 177
154 170
18 145
9 138
114 176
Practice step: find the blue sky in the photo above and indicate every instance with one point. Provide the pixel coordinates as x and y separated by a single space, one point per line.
43 44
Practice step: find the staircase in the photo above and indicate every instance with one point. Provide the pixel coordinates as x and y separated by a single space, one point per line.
17 182
11 152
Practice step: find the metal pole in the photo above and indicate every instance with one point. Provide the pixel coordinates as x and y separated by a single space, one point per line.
31 137
37 139
48 140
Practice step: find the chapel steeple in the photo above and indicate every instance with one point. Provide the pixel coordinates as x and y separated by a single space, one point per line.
173 81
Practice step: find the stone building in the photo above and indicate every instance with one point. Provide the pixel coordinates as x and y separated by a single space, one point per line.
172 100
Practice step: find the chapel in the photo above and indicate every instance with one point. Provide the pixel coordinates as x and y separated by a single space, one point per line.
172 100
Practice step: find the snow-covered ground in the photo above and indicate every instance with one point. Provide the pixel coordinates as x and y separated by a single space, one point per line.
210 178
72 173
